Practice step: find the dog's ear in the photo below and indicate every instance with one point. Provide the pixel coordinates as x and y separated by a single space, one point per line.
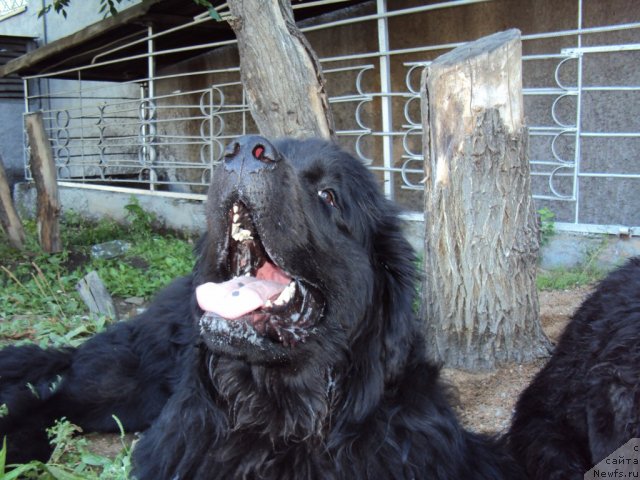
382 346
396 286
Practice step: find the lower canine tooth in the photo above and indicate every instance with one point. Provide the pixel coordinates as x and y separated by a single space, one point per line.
286 294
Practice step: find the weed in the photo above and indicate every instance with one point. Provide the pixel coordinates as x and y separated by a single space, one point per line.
141 221
72 459
547 226
565 278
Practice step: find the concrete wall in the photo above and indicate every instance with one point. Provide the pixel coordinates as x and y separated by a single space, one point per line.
11 138
175 213
565 250
52 26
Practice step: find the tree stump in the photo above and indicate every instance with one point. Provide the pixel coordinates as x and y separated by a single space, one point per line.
8 216
280 72
481 243
43 170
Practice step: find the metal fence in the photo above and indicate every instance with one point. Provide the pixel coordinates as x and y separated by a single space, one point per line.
162 133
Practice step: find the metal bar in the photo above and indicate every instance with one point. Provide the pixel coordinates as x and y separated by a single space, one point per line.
578 140
385 87
359 56
597 229
601 49
136 191
151 93
394 13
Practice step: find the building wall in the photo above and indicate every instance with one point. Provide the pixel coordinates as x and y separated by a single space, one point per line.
602 200
11 138
52 26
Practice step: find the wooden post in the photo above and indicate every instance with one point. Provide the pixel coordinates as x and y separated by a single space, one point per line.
280 72
481 243
8 216
95 295
44 174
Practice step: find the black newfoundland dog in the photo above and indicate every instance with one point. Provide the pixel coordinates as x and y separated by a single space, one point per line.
585 403
291 351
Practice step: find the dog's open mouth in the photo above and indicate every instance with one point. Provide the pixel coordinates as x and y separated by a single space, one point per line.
260 300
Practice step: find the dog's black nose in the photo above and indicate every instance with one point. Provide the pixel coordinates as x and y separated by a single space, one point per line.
250 153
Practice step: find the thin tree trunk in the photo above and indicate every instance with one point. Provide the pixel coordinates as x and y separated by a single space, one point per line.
8 216
280 72
43 170
481 243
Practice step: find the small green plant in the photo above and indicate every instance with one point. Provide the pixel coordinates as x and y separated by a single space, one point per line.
72 458
547 225
141 221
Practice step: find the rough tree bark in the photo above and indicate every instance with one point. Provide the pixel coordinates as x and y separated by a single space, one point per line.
481 244
43 170
9 218
280 72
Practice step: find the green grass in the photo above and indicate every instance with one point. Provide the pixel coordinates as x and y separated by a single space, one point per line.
38 290
39 304
586 273
565 279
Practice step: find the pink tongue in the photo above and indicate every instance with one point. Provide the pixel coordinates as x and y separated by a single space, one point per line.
237 297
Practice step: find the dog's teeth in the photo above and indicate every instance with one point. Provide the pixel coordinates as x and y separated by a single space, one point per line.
235 209
268 304
240 234
236 217
286 295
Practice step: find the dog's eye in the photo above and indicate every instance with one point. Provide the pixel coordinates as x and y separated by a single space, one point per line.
328 196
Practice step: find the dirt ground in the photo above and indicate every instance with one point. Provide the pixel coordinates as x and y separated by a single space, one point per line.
486 399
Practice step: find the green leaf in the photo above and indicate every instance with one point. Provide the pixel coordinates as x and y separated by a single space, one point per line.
3 455
94 459
214 14
21 469
61 474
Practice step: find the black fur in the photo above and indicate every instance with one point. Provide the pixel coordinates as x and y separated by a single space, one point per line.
343 392
585 403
